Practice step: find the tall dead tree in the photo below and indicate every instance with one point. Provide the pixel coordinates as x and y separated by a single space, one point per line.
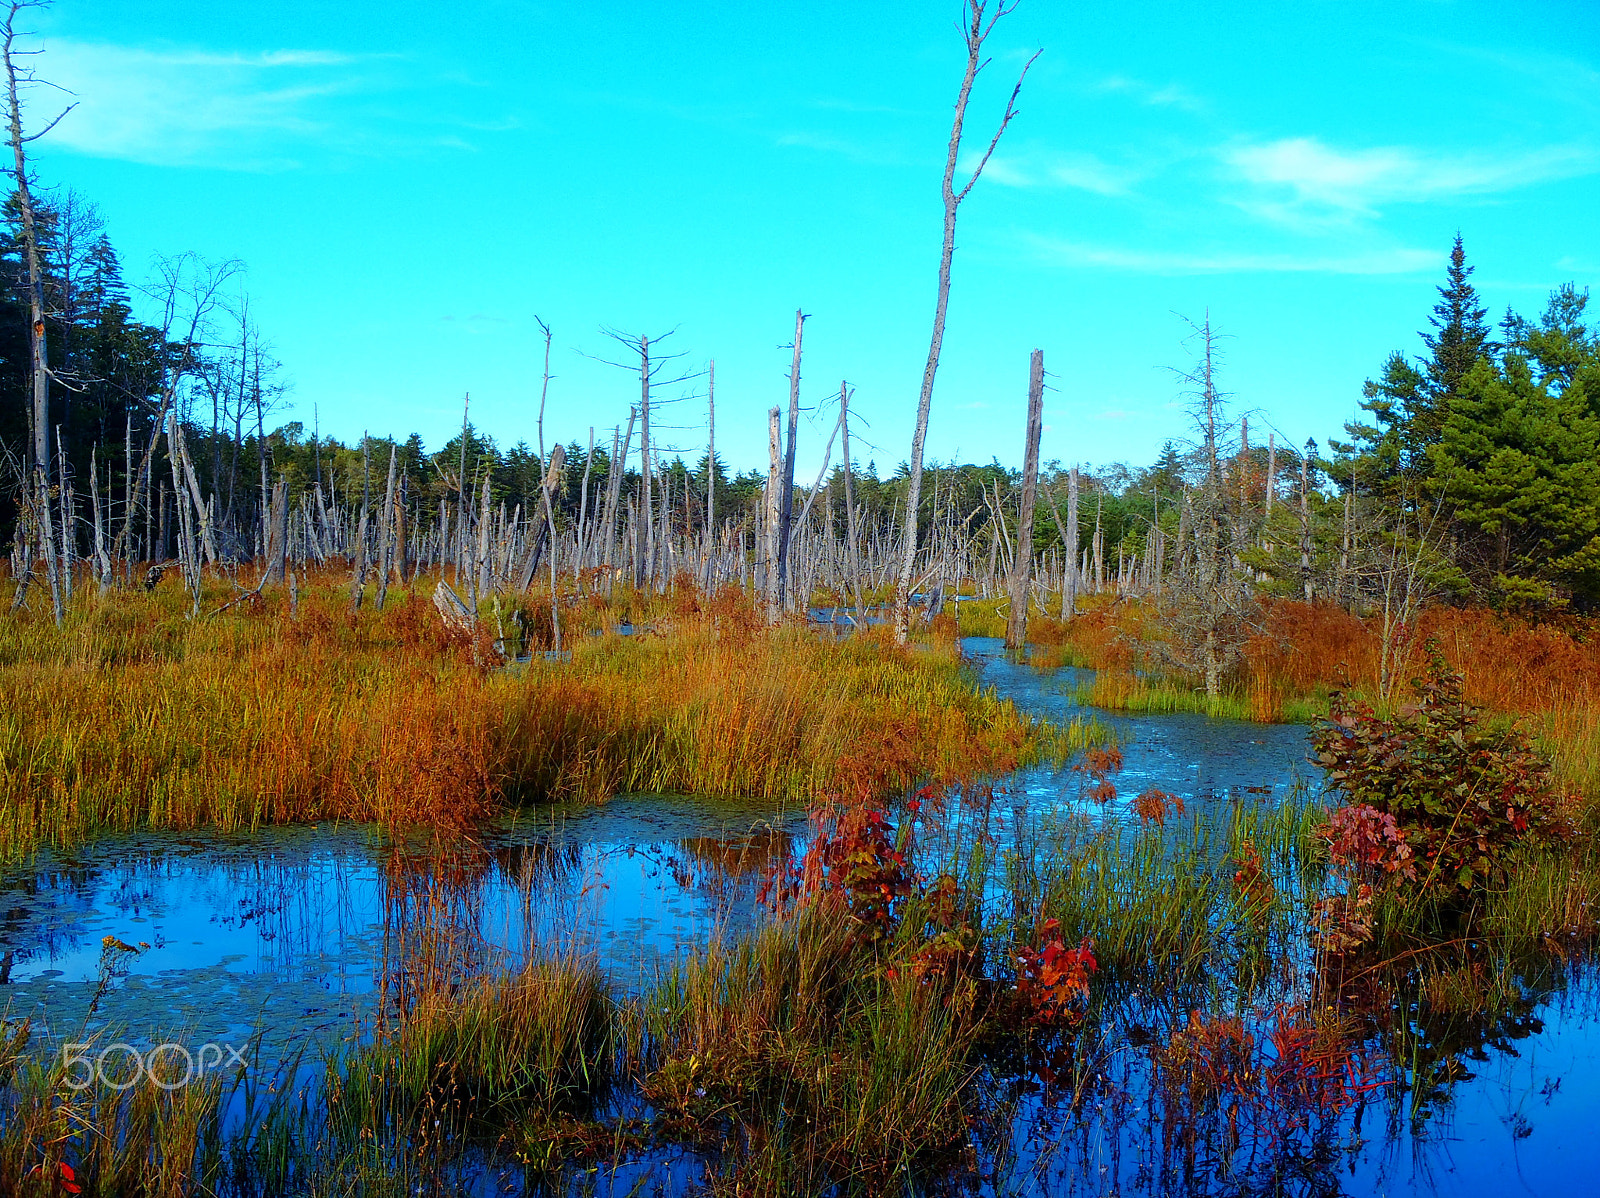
711 473
770 514
19 76
786 518
1022 560
850 496
978 25
649 364
552 476
1209 608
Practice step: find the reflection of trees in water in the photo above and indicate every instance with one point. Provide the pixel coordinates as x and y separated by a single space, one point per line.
62 893
296 894
436 896
731 866
1284 1099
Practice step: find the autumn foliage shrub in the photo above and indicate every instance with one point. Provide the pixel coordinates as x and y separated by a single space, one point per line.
1052 979
1464 795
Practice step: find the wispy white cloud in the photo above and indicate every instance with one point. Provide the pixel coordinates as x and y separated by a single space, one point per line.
1301 180
1167 95
1082 172
185 106
1357 261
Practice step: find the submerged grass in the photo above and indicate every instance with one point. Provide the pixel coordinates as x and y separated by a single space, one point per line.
828 1053
813 1064
133 716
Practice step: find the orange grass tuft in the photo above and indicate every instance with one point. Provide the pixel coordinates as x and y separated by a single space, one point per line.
133 716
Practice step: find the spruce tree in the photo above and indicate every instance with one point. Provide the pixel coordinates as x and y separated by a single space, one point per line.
1410 401
1460 338
1519 466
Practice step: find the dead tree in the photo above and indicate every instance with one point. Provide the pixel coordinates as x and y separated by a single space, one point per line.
979 23
17 77
1022 560
711 474
849 496
552 475
1210 609
786 517
189 292
649 365
770 515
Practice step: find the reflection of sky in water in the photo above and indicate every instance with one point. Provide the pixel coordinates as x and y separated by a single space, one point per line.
295 932
290 930
1192 756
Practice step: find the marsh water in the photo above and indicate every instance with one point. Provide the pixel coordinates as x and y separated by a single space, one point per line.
291 941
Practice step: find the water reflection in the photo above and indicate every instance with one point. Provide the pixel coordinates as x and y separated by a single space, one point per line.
292 931
303 934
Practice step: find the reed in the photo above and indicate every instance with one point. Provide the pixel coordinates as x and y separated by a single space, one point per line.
464 1066
1118 690
132 716
819 1069
1165 906
105 1137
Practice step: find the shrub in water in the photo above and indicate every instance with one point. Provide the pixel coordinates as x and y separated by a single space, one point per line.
1448 798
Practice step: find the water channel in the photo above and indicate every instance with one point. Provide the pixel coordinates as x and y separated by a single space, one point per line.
287 940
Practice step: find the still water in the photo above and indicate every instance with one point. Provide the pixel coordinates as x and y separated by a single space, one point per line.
293 940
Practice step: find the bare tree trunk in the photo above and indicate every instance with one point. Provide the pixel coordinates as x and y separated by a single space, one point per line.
386 537
480 558
711 475
1305 524
277 533
38 358
1022 562
358 585
463 505
68 508
850 497
978 27
102 564
585 533
787 498
1272 470
614 508
551 480
646 568
773 507
1072 584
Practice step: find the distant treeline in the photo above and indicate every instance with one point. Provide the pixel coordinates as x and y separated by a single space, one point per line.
1487 447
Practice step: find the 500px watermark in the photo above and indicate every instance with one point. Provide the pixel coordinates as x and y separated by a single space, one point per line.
170 1066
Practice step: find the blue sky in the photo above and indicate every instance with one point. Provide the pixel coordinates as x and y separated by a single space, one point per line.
409 186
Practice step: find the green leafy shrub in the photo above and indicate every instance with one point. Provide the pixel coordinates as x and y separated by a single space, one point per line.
1463 794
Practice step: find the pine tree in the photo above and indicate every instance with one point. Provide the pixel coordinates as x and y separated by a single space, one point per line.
1460 339
1566 353
1410 401
1517 464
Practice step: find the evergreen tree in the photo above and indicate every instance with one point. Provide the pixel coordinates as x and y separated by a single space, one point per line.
1516 463
1566 353
1460 338
1410 401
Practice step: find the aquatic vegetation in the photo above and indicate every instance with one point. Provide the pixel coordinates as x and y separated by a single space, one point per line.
134 716
122 1136
808 1062
1153 806
1053 980
1463 795
542 1040
930 1000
